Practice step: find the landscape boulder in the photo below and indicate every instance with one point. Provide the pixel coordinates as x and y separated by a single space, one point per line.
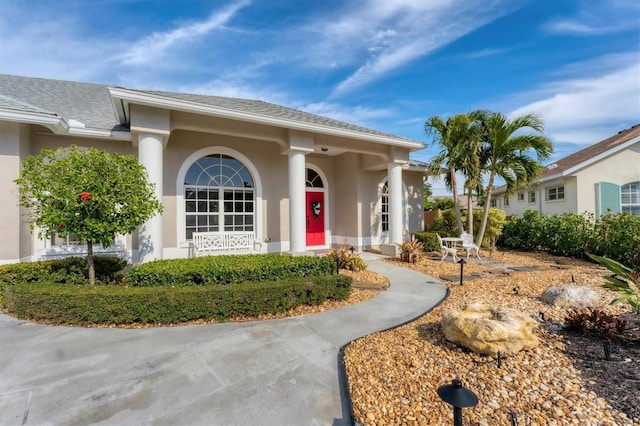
487 330
571 296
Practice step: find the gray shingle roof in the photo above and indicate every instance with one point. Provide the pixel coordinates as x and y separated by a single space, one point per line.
91 104
85 102
7 102
270 110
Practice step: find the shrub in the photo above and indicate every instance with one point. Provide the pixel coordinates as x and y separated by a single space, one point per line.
446 225
82 305
346 260
594 321
227 269
568 234
495 224
614 236
410 249
429 241
70 270
625 281
618 237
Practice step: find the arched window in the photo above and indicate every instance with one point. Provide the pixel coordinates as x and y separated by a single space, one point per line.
219 196
313 179
630 198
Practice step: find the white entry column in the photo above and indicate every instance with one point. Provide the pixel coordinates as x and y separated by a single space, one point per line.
394 171
297 179
150 155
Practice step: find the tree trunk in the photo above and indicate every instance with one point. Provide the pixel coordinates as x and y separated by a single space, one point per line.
456 206
485 211
92 267
470 212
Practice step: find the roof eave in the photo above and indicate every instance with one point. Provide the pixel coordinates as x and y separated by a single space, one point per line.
55 123
60 126
120 97
572 170
415 168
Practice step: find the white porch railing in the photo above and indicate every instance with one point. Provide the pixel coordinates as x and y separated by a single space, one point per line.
207 243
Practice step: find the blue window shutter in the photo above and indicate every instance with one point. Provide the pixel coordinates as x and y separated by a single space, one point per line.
608 198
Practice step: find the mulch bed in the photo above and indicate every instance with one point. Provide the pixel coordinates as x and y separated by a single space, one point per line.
616 380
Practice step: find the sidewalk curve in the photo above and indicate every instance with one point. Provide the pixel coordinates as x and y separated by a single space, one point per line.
276 372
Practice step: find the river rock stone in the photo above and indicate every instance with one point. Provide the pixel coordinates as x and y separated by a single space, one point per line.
571 296
487 330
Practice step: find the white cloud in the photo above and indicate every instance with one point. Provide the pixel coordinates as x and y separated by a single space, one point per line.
381 37
361 115
577 28
587 108
156 44
595 18
487 52
236 88
35 45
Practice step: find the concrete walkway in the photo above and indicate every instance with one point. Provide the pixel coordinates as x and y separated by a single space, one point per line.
277 372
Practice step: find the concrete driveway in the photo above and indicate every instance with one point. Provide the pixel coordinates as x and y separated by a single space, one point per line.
277 372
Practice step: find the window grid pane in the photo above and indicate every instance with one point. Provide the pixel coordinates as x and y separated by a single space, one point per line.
630 198
384 207
555 193
208 181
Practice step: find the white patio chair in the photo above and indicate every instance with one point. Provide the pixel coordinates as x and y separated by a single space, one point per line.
469 246
444 250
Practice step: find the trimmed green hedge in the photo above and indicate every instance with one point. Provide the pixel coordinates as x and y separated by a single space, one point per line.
86 305
614 236
227 270
70 270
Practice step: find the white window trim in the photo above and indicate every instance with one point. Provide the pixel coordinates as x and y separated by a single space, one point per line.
43 249
556 187
182 173
529 197
383 237
627 205
520 196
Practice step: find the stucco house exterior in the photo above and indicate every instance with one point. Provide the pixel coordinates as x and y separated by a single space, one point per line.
294 181
602 177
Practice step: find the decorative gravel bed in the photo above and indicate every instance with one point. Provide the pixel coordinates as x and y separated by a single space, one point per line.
393 376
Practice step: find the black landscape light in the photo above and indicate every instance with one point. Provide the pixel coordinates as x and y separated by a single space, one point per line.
607 349
458 396
462 262
337 265
352 249
500 358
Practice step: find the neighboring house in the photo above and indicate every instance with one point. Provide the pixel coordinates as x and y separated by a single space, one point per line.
600 178
294 181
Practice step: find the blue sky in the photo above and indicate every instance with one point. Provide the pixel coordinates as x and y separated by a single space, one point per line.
387 65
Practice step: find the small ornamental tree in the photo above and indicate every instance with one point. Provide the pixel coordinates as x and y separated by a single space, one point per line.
87 192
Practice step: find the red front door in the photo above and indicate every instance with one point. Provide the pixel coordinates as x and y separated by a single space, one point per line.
315 218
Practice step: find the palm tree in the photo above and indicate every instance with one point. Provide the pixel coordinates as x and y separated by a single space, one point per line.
469 164
507 153
451 136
